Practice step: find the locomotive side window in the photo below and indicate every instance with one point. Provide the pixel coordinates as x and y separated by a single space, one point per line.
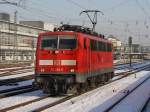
67 42
84 43
49 42
100 46
93 45
105 46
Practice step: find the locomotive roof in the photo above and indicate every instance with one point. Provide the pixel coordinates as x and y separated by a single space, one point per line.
76 29
75 33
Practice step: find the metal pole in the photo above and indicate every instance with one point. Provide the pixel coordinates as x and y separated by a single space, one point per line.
130 47
15 37
130 57
0 47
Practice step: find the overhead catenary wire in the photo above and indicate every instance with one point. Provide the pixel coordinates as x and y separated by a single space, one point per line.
41 13
117 5
77 4
147 3
142 9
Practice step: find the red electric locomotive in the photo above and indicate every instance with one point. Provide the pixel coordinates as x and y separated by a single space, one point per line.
72 59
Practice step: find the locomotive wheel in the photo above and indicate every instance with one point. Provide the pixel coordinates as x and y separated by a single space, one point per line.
46 87
72 90
93 83
49 88
82 87
103 79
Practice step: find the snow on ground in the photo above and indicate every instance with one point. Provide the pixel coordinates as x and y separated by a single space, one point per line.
14 100
147 108
116 61
18 84
2 72
17 75
120 71
133 67
134 102
99 99
36 105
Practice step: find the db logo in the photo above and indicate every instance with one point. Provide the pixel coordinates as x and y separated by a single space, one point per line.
57 62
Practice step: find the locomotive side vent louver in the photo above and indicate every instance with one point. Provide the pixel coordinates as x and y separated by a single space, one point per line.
77 28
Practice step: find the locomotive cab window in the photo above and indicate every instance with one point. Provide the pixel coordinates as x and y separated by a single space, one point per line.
49 42
67 42
58 42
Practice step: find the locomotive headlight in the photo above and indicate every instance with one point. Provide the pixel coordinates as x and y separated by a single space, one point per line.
42 70
72 70
56 52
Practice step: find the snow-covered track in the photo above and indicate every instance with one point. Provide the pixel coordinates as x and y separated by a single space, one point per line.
134 70
125 65
14 69
145 107
8 73
54 103
24 103
16 91
127 94
15 80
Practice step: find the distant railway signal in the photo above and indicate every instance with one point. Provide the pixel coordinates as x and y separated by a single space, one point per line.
130 41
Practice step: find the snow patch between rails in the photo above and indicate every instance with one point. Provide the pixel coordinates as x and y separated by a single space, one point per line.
16 76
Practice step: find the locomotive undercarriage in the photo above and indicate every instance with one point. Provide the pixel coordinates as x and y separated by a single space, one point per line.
63 85
55 85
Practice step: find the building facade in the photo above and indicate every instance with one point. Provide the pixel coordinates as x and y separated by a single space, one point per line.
18 41
117 46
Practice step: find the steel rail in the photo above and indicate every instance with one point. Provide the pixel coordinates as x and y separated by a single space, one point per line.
146 105
17 92
15 80
121 99
23 104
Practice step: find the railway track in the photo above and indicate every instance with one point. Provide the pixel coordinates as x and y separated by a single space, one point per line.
65 98
122 98
15 71
23 104
16 91
13 89
144 109
13 81
131 71
127 65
